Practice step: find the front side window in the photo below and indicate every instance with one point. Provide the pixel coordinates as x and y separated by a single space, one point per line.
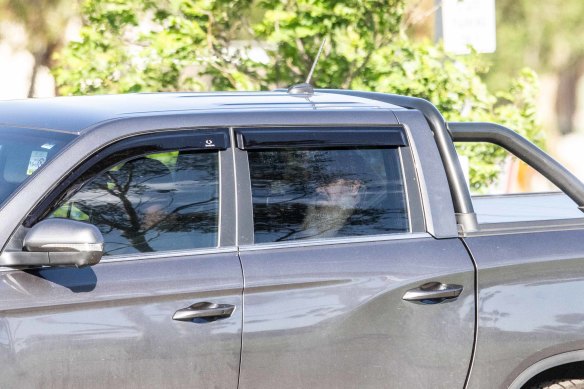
152 203
314 194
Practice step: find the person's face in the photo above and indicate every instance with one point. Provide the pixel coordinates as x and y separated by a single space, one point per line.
341 192
152 215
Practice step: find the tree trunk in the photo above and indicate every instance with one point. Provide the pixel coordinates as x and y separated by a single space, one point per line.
567 96
41 58
33 76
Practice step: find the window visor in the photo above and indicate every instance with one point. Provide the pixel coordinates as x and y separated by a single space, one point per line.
319 137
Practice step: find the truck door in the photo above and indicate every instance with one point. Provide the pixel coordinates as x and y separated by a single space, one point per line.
344 285
163 308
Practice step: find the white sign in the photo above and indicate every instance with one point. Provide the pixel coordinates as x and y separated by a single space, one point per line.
469 23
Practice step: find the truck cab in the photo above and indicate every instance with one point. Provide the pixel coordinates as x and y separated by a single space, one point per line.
320 239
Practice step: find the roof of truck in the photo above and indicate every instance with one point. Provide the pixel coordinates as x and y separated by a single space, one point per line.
74 114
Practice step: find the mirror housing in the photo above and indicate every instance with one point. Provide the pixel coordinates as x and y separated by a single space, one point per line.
58 242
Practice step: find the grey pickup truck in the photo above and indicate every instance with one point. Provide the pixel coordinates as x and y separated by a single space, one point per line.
287 239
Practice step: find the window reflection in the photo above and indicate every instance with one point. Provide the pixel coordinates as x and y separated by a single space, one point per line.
314 194
159 202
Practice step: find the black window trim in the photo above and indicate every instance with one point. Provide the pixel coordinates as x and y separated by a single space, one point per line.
317 137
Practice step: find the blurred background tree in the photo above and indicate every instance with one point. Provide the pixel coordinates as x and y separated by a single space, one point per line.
545 36
45 24
171 45
141 45
144 46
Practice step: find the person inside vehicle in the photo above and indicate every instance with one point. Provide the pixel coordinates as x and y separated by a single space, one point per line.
338 200
339 192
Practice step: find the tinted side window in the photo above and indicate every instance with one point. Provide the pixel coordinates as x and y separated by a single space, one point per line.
313 194
152 203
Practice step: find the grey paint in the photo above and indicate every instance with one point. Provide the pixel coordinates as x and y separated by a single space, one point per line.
74 236
413 197
111 325
526 227
57 242
76 114
438 206
530 303
525 207
318 314
331 315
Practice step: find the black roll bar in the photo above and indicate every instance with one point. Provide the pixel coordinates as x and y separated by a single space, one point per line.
524 150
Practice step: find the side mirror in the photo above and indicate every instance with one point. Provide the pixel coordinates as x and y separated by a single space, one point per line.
58 242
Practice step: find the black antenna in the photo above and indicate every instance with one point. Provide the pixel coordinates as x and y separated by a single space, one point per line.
306 88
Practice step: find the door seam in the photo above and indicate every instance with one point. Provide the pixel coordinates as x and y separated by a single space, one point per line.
476 313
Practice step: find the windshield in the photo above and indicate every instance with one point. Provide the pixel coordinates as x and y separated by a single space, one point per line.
23 152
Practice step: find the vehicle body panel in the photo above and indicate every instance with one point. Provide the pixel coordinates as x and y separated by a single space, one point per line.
431 176
319 314
530 304
78 113
111 325
332 315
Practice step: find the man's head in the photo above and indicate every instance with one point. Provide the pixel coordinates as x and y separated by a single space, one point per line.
338 188
339 179
340 192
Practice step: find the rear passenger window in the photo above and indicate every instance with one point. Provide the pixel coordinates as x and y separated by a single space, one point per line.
157 202
314 194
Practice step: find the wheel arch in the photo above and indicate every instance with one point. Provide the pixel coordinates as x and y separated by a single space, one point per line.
556 366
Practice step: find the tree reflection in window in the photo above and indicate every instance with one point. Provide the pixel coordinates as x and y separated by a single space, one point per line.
154 203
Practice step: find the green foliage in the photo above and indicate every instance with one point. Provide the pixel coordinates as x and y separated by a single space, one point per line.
167 45
295 28
516 109
540 34
145 45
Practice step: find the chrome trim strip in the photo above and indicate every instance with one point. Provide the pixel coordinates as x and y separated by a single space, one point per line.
167 254
334 241
157 255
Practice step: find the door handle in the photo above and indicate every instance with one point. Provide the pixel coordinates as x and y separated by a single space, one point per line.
433 293
204 310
